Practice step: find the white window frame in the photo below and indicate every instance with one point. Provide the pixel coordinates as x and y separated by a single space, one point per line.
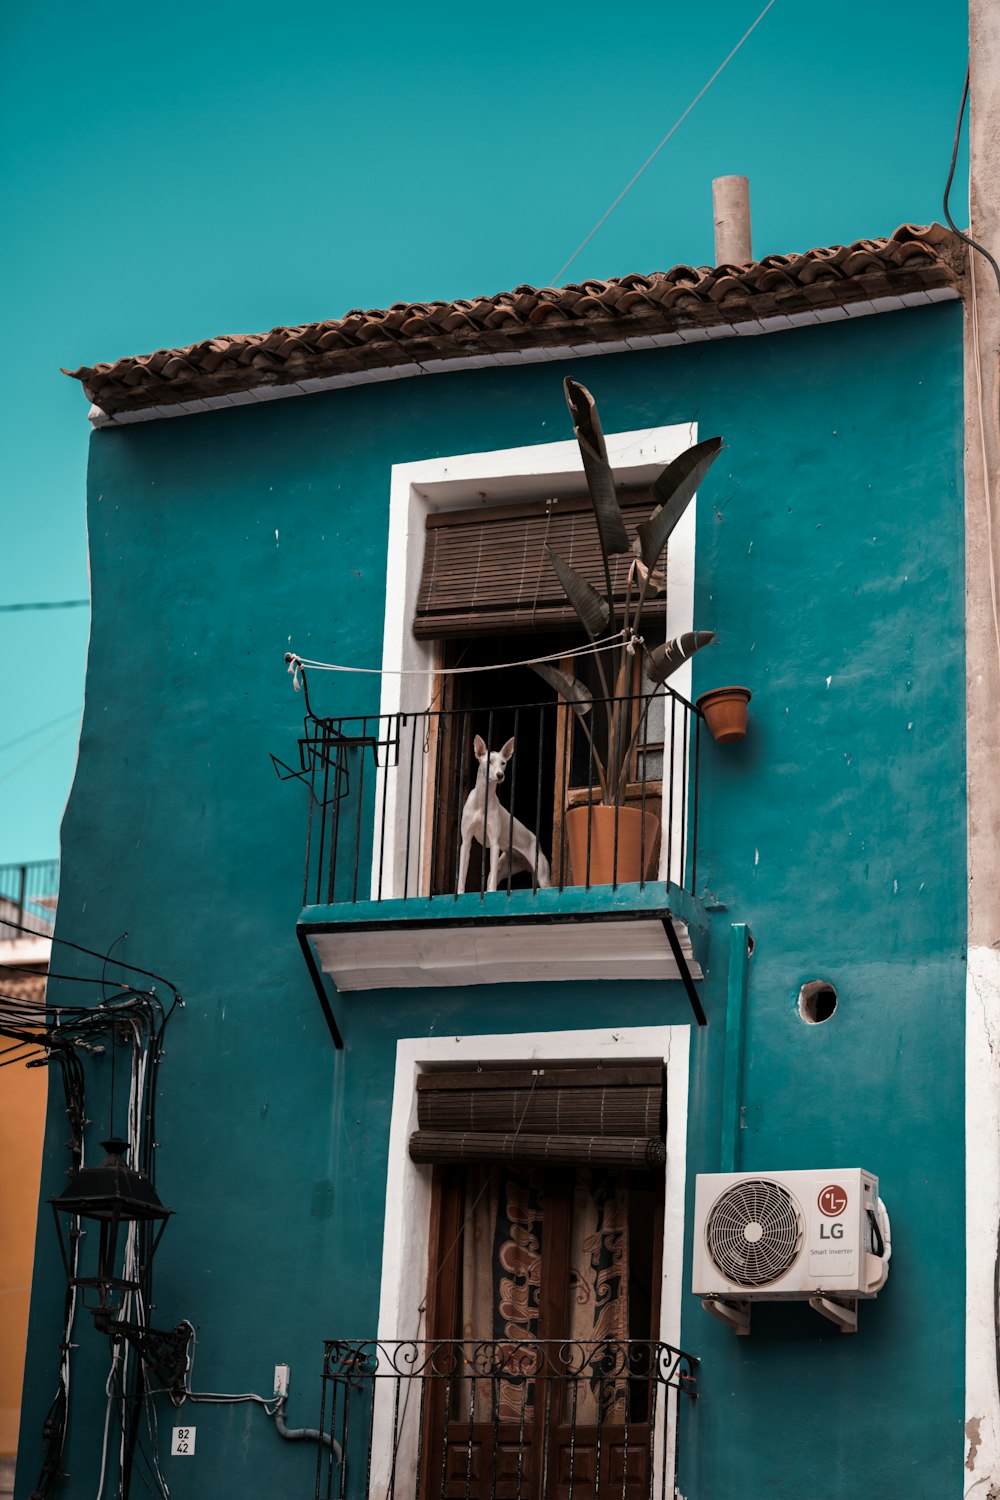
406 1235
492 478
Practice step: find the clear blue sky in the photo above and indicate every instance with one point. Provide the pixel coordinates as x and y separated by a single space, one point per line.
172 173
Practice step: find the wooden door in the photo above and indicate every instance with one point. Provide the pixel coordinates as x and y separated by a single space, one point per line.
545 1388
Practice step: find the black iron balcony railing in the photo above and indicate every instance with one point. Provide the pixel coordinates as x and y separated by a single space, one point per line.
541 1419
28 898
399 805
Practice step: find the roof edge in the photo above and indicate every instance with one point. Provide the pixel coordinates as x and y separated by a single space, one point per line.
279 391
913 266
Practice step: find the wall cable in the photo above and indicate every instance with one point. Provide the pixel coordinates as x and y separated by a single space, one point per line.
91 953
216 1398
968 240
138 1018
976 354
987 487
109 1392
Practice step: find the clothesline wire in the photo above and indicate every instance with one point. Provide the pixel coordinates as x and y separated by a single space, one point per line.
607 643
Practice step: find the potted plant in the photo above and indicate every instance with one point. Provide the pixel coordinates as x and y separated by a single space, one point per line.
608 840
725 712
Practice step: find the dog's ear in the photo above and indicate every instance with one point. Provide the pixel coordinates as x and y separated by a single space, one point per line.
508 749
479 746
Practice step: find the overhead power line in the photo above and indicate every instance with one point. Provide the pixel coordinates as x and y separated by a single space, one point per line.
46 744
49 723
45 604
655 153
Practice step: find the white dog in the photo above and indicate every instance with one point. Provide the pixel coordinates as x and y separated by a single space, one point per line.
483 813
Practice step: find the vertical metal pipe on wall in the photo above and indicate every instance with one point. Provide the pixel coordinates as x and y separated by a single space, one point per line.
731 1153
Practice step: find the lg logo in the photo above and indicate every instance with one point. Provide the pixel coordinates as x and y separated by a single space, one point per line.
832 1202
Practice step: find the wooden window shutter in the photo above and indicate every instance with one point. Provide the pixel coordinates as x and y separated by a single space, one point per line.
486 570
609 1117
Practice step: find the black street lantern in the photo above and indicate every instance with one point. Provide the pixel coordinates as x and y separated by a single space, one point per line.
112 1194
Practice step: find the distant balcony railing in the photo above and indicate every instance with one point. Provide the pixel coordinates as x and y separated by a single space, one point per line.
536 1419
399 808
28 895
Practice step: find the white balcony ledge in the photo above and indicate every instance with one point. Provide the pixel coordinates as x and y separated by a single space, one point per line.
647 932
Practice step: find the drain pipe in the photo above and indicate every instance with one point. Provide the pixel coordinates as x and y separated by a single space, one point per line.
303 1434
731 1145
731 212
283 1379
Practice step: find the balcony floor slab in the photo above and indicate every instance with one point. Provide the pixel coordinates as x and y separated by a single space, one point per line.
501 938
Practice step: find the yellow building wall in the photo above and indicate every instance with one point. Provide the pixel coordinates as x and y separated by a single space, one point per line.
22 1123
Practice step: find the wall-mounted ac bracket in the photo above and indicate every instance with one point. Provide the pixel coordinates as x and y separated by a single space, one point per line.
843 1312
735 1315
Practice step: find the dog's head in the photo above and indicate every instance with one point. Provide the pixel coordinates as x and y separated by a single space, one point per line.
494 762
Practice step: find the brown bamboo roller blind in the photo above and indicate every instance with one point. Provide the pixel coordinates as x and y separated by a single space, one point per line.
432 1146
487 571
590 1116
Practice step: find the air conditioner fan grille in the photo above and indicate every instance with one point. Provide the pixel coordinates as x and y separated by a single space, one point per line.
754 1232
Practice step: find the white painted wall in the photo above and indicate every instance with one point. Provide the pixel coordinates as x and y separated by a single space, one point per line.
982 554
982 1188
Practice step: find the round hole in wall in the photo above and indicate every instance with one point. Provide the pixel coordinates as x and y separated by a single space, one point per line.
817 1001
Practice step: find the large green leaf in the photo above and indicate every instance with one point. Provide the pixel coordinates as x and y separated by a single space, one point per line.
576 693
672 490
600 476
663 661
592 609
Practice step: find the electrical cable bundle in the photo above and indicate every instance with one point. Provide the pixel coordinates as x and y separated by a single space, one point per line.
125 1017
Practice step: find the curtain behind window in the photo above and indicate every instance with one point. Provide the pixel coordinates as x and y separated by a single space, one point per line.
502 1285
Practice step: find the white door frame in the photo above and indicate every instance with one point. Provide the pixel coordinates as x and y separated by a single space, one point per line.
405 1246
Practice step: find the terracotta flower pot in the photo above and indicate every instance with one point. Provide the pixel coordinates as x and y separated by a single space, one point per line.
633 846
725 713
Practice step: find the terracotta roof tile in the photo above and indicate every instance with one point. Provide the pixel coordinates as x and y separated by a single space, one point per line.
591 313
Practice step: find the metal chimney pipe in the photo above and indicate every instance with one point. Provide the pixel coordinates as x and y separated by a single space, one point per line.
731 211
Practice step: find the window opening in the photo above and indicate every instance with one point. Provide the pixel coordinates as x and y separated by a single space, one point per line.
487 583
498 706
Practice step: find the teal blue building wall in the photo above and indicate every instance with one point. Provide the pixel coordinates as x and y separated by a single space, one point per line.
830 562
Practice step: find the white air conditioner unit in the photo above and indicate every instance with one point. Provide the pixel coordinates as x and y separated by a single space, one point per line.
816 1237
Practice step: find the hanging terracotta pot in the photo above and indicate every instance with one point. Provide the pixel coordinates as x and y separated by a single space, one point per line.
725 712
608 864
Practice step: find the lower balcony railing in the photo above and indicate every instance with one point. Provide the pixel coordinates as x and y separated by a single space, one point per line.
534 1419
